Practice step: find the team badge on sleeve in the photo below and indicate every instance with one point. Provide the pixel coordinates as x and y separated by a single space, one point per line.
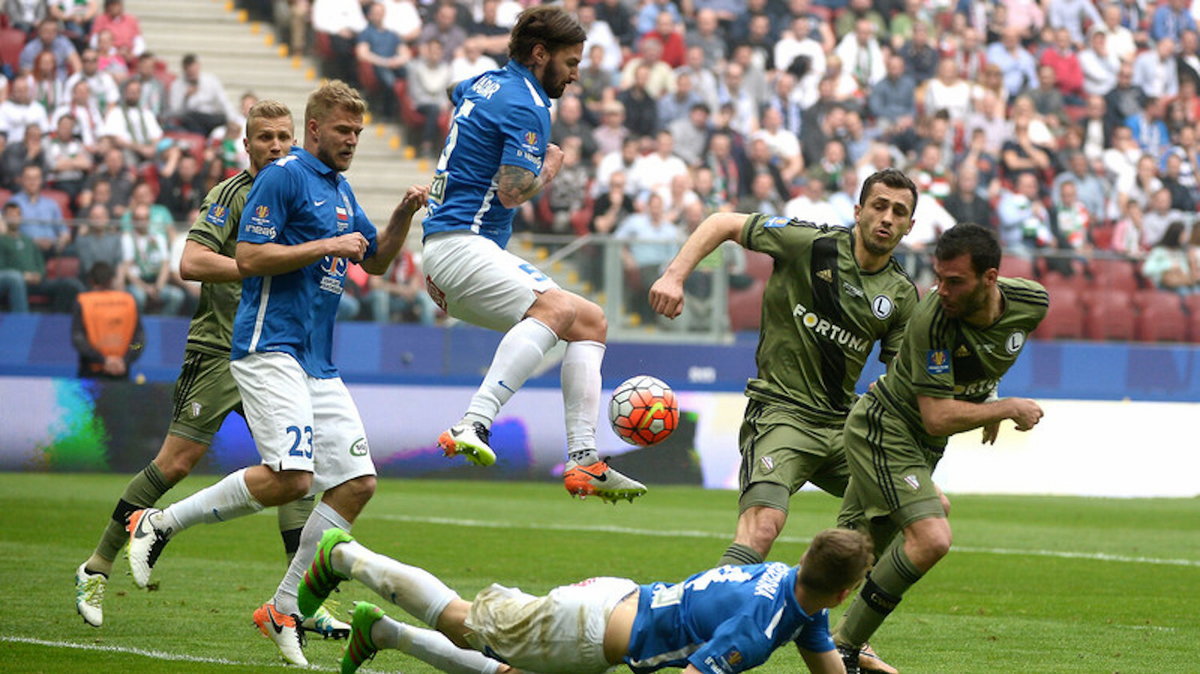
937 361
217 215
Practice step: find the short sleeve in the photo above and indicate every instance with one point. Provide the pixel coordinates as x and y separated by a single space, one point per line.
815 635
526 132
778 236
266 209
212 227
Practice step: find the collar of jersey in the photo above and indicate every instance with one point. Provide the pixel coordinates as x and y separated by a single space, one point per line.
307 158
524 72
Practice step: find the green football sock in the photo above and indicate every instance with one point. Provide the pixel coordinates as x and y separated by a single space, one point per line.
893 574
738 555
143 491
292 517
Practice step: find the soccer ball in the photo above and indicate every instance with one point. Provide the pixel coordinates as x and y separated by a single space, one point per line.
643 411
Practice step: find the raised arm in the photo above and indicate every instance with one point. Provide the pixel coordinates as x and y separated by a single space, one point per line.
272 259
393 237
666 295
517 185
947 416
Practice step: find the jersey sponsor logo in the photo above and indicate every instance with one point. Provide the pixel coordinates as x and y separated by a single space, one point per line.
775 221
882 306
937 361
268 232
531 158
359 447
831 331
853 289
975 389
1014 342
217 215
485 86
335 271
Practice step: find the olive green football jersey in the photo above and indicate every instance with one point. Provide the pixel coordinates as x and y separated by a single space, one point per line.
943 357
216 227
821 315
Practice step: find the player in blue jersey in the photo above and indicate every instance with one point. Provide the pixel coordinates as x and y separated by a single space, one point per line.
300 228
727 619
496 157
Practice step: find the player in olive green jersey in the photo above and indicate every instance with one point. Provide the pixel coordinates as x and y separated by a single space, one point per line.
960 340
205 392
833 293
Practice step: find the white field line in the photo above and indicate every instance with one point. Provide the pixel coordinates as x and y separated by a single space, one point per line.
691 533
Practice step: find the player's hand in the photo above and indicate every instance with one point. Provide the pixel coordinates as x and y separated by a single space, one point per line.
351 246
552 163
114 365
991 432
415 198
1026 413
666 297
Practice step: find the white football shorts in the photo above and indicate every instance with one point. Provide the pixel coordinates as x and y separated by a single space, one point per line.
561 633
301 422
474 280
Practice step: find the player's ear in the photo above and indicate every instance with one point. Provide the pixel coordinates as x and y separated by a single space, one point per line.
990 276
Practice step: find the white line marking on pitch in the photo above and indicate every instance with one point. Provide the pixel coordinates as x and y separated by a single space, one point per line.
160 655
686 533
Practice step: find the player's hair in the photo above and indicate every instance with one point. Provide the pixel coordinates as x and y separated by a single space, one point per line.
333 95
266 109
837 559
548 25
893 178
971 239
101 275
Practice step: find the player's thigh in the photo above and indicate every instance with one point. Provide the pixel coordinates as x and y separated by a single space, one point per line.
278 409
205 393
779 447
890 469
473 279
561 632
339 439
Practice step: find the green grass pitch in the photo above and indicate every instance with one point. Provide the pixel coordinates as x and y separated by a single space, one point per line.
1035 584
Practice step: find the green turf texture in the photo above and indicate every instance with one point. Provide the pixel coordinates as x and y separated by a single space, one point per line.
1034 584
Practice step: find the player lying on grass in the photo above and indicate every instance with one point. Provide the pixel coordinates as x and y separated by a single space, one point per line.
727 619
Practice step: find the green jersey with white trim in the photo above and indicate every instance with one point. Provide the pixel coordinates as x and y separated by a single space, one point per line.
821 316
944 357
216 227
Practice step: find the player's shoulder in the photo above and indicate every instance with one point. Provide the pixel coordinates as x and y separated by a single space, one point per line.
1024 291
898 275
769 221
226 192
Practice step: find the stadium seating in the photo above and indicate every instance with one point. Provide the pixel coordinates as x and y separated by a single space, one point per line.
1108 314
1056 282
62 266
1115 274
1012 266
1154 298
1064 320
745 307
12 41
62 199
759 265
1162 323
5 195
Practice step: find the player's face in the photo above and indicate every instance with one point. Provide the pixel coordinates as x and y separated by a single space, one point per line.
267 140
562 69
884 218
336 137
962 291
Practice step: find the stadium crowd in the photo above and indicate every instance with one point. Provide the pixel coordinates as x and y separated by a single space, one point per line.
1069 126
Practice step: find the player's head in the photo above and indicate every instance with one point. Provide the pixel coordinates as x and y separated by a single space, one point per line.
269 133
549 41
835 563
333 121
966 262
884 213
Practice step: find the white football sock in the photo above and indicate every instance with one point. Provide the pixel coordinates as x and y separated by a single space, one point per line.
581 386
225 500
517 356
323 517
432 647
413 589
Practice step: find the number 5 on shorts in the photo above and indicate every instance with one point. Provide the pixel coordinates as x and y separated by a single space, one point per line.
307 434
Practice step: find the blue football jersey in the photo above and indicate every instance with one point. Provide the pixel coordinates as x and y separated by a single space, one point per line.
724 620
501 118
297 199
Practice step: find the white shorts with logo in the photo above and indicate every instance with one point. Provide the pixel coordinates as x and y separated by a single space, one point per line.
301 422
474 280
562 632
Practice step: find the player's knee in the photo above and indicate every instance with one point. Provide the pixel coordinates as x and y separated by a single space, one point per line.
359 490
936 544
292 485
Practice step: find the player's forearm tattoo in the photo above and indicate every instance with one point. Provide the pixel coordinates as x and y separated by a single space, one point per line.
516 184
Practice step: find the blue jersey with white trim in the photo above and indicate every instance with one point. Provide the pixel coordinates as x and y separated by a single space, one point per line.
501 118
297 199
724 620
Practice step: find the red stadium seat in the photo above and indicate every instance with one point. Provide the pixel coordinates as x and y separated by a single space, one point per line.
1108 314
12 41
5 195
1192 303
1162 323
759 265
1064 320
62 199
62 266
1193 321
366 77
1055 282
1012 266
194 142
1153 298
1121 274
745 307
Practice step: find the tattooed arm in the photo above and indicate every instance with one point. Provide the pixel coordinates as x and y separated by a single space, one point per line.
517 185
